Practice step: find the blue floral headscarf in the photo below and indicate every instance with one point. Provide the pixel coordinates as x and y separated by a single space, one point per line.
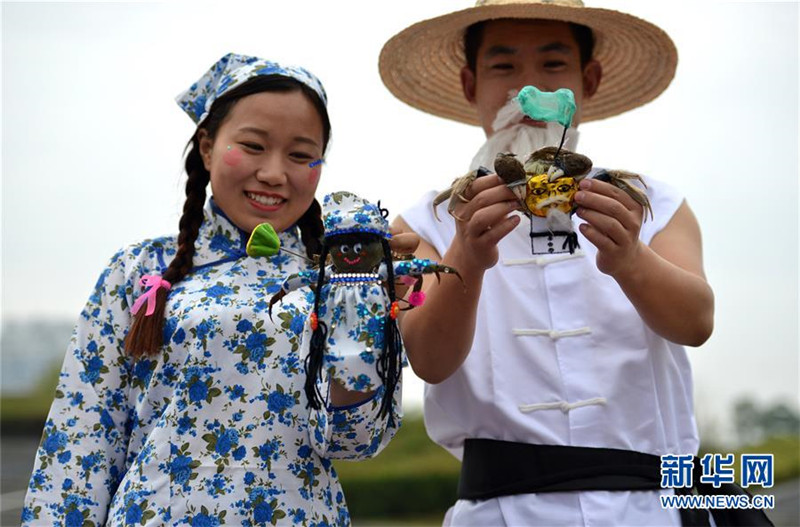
232 70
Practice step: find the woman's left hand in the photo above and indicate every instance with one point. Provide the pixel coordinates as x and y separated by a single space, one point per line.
613 221
404 242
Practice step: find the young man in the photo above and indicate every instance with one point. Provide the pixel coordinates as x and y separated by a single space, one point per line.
550 376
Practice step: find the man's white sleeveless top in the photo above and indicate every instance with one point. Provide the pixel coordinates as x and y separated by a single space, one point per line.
561 357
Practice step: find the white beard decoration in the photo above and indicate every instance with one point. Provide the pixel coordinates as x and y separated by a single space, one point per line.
513 135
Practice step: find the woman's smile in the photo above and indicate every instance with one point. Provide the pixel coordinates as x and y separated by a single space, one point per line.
265 202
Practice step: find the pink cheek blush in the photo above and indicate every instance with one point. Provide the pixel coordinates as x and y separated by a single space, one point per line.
232 157
313 176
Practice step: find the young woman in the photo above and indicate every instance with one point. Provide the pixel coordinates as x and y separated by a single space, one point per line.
181 401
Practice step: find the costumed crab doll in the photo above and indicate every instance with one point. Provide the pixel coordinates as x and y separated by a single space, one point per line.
352 333
546 184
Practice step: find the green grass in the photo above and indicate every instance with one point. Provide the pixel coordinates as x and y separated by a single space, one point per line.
786 460
785 451
30 410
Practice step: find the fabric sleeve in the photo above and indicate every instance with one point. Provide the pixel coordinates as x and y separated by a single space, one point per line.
358 431
81 457
302 279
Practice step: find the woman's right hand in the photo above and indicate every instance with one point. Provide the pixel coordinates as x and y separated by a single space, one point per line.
481 223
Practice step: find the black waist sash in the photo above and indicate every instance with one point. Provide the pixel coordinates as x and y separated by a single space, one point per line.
492 468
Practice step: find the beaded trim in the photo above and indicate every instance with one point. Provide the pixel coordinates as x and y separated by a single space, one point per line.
405 266
350 278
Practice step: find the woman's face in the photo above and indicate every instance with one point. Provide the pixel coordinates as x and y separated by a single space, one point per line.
259 160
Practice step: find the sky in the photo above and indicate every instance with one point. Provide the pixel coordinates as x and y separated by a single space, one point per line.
92 145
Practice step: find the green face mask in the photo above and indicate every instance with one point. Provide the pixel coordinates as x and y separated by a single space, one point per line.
556 106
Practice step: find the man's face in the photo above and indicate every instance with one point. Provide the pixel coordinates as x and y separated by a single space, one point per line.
517 53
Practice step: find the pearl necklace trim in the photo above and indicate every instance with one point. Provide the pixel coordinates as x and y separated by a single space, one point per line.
355 277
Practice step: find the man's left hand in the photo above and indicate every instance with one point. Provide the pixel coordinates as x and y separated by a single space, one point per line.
613 221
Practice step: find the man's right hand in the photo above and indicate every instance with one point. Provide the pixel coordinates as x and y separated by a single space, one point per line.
437 335
481 223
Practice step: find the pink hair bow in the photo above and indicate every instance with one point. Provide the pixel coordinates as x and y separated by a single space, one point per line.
154 282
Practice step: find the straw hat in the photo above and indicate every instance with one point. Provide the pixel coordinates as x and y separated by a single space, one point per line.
421 64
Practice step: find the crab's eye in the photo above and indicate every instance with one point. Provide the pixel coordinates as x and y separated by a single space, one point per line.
357 248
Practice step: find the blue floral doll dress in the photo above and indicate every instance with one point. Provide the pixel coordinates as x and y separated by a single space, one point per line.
214 429
351 334
355 307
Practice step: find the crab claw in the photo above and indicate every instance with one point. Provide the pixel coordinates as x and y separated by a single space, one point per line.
277 297
439 199
554 173
457 189
622 180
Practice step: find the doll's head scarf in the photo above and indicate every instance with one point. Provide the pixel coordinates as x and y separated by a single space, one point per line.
346 213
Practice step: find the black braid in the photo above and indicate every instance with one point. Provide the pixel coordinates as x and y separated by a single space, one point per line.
192 217
146 336
389 364
311 229
319 336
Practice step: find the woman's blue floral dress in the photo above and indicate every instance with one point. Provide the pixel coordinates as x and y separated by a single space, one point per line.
212 431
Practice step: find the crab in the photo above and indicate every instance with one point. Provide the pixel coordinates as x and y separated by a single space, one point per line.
556 163
515 175
457 189
622 179
547 181
550 177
